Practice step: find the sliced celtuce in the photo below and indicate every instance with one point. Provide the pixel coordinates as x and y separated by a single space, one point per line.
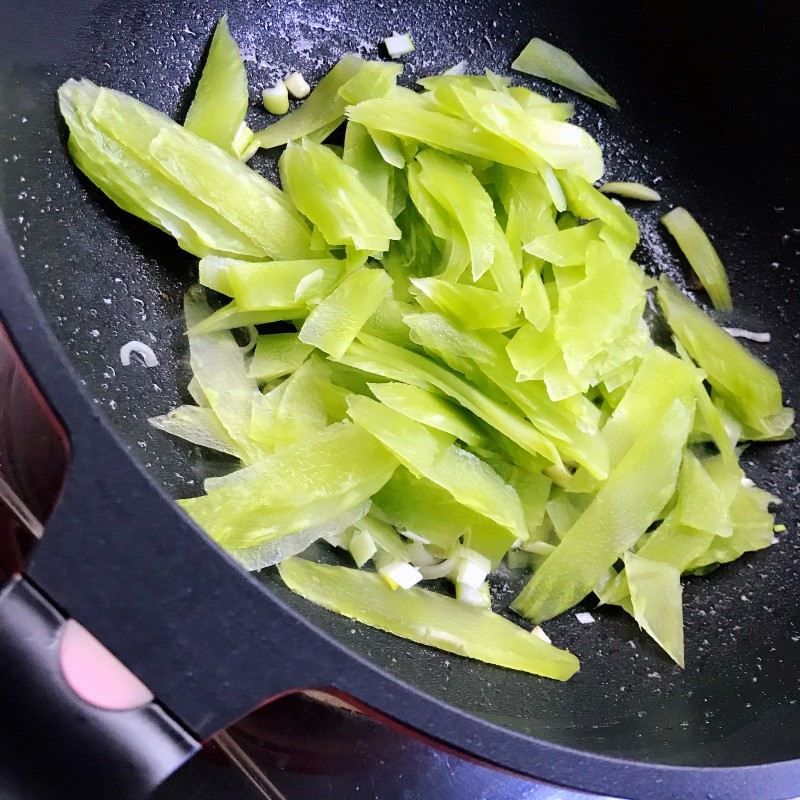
199 426
700 253
631 189
336 321
331 195
625 506
543 60
274 551
218 365
432 454
749 389
220 102
431 409
462 369
277 355
655 588
298 487
427 618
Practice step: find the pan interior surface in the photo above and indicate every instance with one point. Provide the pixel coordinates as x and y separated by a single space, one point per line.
711 132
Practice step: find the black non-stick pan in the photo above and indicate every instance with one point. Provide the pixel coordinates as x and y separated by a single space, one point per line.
708 96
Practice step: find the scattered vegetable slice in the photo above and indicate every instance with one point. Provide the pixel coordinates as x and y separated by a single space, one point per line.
427 618
543 60
220 102
700 253
636 191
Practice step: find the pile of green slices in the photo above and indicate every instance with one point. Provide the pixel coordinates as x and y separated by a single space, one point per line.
466 375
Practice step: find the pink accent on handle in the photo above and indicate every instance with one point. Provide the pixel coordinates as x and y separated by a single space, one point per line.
95 675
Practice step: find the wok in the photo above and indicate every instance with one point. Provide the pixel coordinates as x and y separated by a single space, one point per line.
708 115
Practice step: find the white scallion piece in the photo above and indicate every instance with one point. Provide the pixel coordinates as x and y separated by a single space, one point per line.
297 85
276 98
473 569
400 44
753 336
475 596
399 574
440 570
419 556
145 351
584 617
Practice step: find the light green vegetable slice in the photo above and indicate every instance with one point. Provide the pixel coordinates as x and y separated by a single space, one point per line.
543 60
565 248
276 550
625 506
218 364
531 350
425 509
750 389
395 363
388 322
588 203
659 381
471 306
215 178
363 156
278 354
409 118
440 337
199 426
214 274
432 454
700 253
320 113
596 315
249 201
300 412
220 102
138 186
752 528
335 322
427 617
333 197
452 184
279 284
373 79
430 409
655 588
547 142
297 487
231 316
636 191
701 503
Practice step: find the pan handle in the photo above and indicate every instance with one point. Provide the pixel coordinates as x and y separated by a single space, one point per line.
75 723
